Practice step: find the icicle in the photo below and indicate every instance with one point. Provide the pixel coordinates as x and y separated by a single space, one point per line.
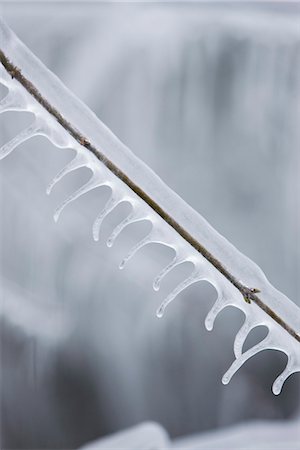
91 184
175 262
131 218
278 383
32 130
195 276
76 163
241 336
110 205
147 240
263 345
218 306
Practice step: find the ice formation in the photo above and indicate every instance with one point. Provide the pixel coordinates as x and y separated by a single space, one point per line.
95 132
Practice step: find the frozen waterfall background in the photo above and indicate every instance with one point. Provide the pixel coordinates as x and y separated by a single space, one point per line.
209 97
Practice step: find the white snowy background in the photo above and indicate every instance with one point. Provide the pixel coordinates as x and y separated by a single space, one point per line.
208 95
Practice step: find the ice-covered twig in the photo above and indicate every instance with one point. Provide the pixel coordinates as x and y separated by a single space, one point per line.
248 293
69 123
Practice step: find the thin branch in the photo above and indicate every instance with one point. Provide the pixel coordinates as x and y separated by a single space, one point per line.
249 294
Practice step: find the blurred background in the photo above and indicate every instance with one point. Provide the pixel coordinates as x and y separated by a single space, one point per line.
208 94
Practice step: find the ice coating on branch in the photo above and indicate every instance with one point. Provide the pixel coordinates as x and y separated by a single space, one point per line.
89 126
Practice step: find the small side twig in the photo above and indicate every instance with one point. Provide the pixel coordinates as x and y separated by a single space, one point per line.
249 293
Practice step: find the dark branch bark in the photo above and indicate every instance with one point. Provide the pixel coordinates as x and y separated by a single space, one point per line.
249 294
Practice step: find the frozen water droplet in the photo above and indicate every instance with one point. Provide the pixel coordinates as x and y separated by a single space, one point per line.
160 312
156 285
225 379
109 242
209 324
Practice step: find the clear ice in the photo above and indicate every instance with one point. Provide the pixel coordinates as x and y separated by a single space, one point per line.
102 138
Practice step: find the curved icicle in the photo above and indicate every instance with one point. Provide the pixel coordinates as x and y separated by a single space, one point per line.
195 276
241 336
263 345
75 163
110 205
147 240
218 306
280 380
175 262
91 184
26 134
131 218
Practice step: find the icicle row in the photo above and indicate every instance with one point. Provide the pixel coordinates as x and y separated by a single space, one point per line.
18 99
